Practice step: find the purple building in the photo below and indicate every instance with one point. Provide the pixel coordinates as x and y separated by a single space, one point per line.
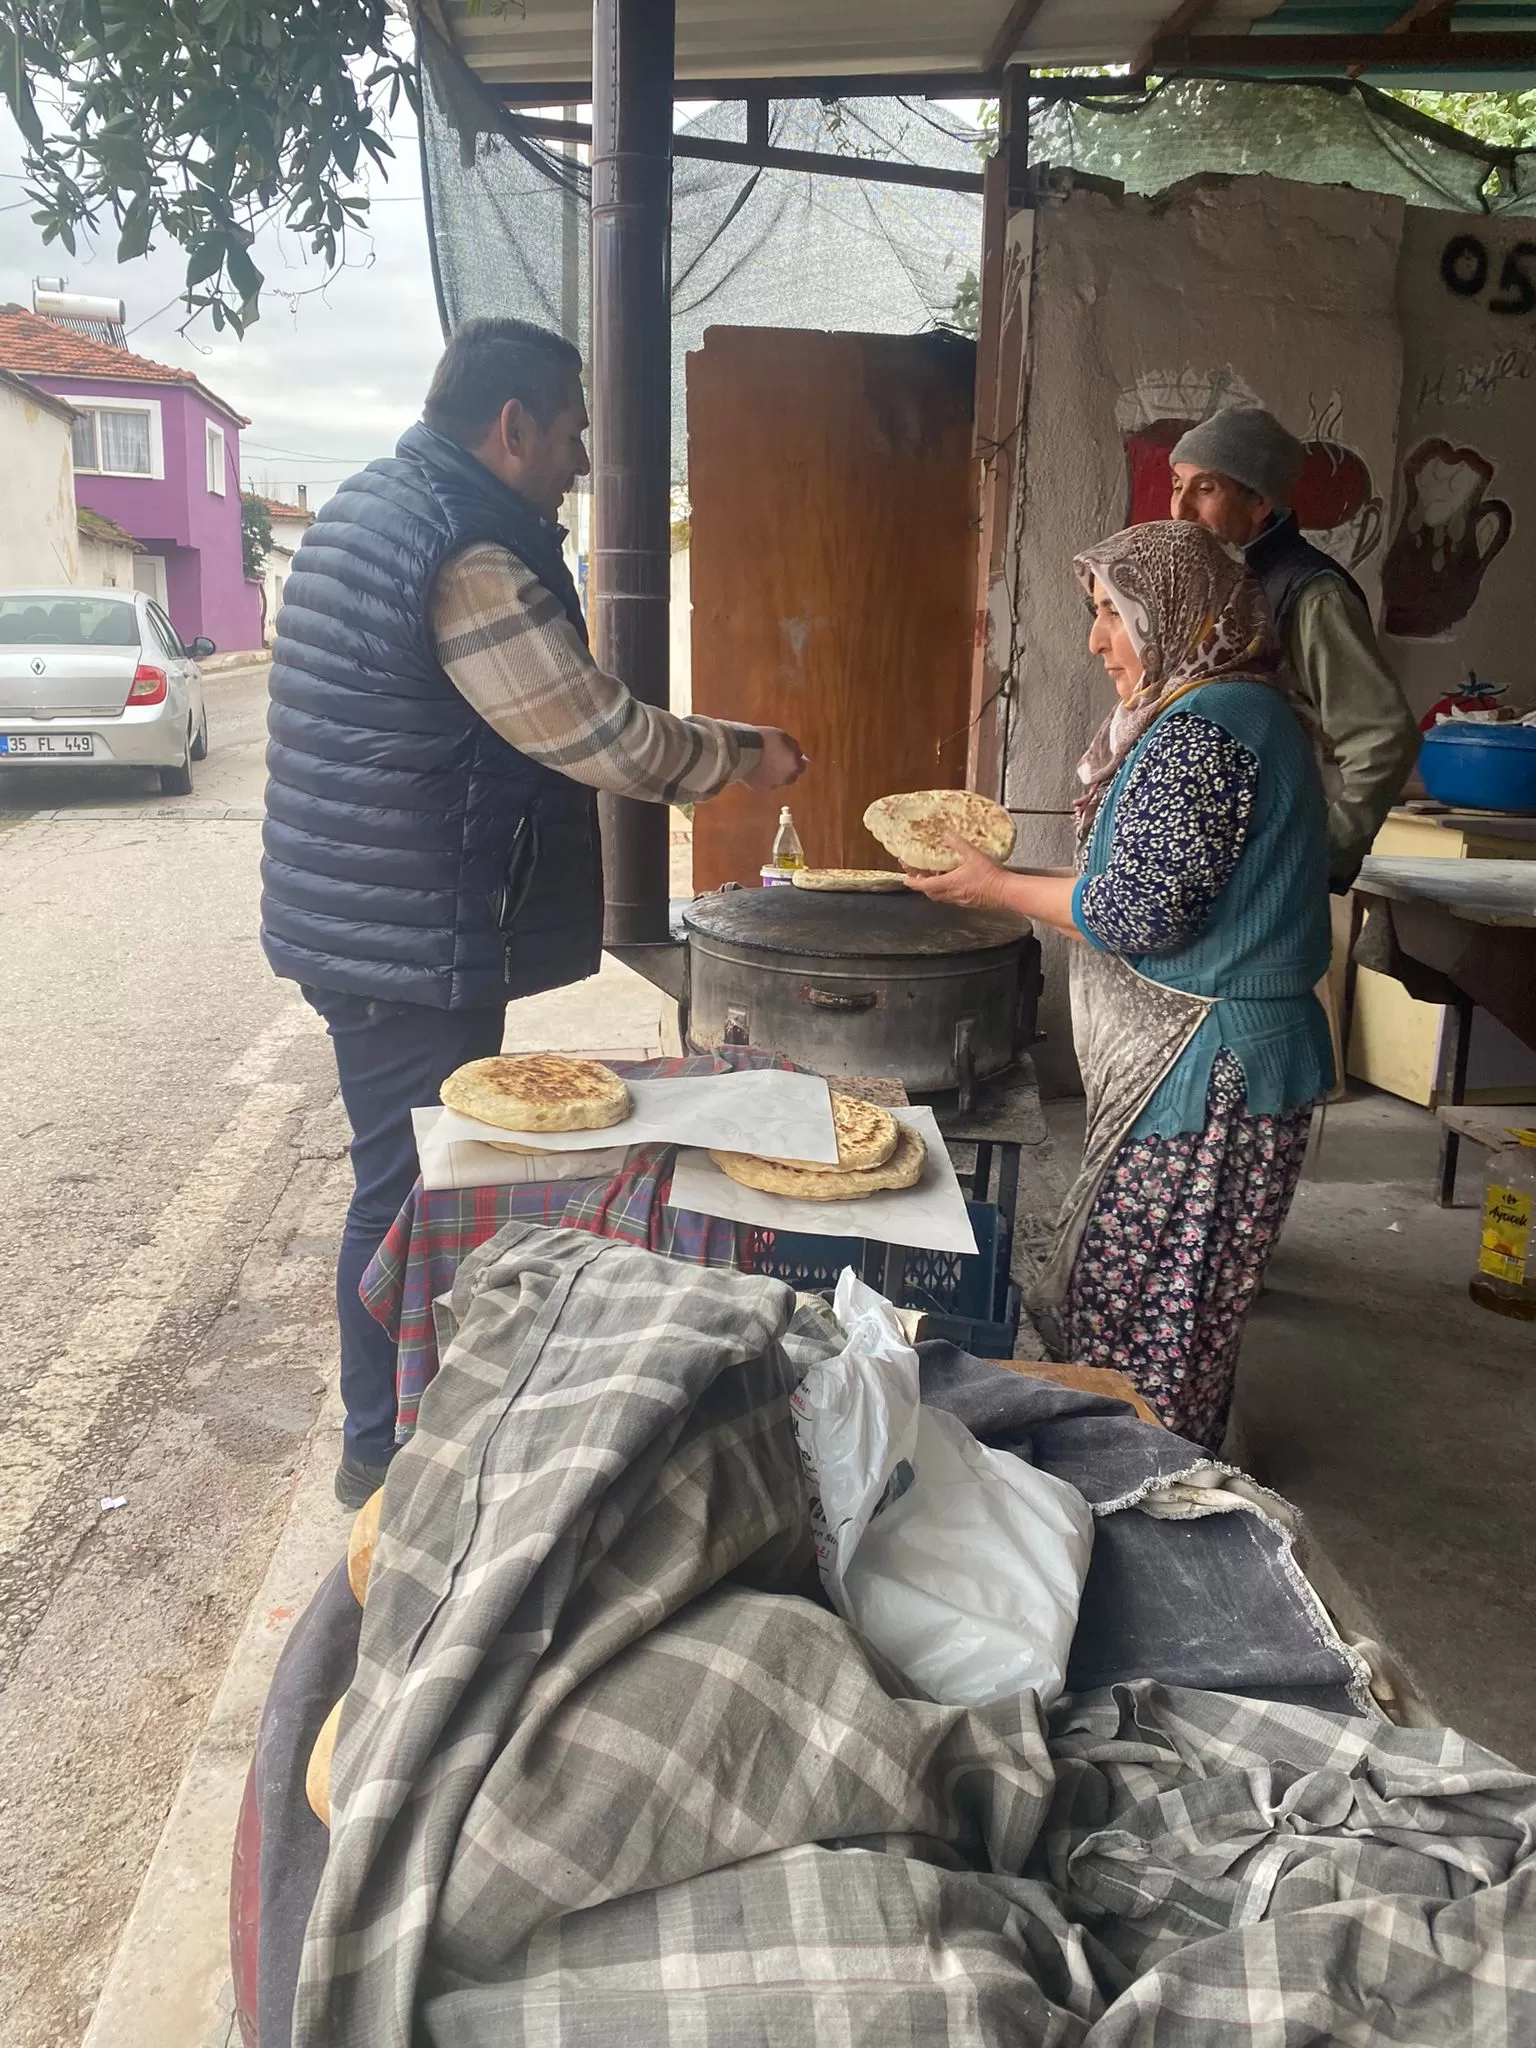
159 454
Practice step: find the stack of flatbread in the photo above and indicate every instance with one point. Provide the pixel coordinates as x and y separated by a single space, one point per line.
360 1548
849 881
537 1091
912 827
874 1152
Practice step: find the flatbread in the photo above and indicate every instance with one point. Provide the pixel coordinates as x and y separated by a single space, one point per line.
360 1545
828 1183
850 881
538 1091
866 1137
317 1778
912 827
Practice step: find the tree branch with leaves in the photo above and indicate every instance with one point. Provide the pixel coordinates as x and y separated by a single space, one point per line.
200 121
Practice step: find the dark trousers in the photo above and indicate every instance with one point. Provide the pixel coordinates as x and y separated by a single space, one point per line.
391 1058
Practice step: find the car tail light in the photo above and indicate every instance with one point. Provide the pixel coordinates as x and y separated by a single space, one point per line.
148 686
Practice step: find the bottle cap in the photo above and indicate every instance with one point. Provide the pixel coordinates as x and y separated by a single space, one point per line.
784 817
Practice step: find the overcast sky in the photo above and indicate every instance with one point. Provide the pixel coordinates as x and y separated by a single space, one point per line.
328 381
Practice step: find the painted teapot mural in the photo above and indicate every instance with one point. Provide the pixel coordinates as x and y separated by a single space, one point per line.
1336 503
1448 534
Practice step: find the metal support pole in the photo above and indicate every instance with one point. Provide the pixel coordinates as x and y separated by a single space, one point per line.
1450 1141
633 44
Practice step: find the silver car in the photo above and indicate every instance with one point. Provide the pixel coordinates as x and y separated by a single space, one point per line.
99 678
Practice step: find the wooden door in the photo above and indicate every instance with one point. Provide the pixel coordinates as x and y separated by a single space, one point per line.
833 565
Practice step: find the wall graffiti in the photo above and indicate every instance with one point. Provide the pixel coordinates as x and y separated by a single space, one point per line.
1476 383
1449 532
1465 267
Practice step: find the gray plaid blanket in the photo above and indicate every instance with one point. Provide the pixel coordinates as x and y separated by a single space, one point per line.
608 1773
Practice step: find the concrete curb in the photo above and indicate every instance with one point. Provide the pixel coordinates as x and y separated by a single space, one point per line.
168 1984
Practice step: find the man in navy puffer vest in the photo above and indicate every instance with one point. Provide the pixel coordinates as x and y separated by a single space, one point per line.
438 733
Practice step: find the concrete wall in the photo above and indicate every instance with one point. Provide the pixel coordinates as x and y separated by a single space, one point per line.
38 539
274 575
1459 562
1150 312
105 564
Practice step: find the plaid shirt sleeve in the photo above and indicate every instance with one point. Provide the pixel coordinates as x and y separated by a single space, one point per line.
514 655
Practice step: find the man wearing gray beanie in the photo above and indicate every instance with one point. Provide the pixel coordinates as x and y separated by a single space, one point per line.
1235 474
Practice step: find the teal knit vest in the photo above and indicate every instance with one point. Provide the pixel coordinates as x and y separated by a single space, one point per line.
1268 940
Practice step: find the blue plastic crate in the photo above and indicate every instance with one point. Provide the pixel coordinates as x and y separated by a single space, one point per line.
970 1296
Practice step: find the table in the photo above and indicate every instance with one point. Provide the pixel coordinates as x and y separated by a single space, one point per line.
437 1229
1486 892
1398 1041
1471 923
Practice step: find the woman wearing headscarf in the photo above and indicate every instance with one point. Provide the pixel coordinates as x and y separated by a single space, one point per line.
1201 903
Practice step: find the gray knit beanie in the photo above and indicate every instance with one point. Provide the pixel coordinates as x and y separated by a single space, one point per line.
1249 445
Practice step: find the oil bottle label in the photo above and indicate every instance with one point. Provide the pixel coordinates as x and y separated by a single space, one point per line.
1506 1234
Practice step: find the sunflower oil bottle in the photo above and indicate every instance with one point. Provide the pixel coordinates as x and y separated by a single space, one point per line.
1505 1280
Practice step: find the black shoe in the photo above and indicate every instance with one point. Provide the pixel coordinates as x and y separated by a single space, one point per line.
357 1483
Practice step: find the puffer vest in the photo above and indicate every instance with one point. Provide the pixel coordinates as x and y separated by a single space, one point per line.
409 853
1285 562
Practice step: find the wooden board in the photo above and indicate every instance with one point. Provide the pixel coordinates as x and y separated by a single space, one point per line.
833 555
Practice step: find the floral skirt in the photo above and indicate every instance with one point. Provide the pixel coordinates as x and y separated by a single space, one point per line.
1174 1250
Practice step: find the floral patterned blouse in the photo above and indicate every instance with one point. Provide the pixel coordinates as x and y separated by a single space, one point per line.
1180 826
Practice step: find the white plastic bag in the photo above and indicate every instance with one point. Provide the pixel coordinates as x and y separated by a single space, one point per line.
963 1566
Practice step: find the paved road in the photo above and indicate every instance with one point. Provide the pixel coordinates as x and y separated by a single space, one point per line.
171 1174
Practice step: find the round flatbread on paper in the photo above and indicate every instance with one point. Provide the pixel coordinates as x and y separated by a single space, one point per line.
538 1091
867 1136
317 1779
850 881
912 827
904 1169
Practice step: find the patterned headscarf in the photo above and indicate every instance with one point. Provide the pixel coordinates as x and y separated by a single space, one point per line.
1195 615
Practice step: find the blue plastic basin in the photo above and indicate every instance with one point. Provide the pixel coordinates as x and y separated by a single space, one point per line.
1480 767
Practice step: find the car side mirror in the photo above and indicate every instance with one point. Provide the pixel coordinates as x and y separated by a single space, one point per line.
201 648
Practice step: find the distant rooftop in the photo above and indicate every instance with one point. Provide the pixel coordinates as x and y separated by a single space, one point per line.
277 509
42 348
97 526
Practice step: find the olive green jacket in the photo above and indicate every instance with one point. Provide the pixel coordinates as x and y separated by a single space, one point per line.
1359 703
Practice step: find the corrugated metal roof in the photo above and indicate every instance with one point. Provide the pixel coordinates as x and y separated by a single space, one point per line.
550 41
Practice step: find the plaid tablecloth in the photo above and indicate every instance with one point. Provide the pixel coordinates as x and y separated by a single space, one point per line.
437 1229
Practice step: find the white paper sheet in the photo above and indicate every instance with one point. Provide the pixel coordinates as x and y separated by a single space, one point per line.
787 1115
929 1217
466 1164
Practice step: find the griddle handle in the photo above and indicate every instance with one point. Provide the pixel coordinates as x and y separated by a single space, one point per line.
838 999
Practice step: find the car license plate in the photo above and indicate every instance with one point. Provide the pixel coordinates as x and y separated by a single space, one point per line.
57 746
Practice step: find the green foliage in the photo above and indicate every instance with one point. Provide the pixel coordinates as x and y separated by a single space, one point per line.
965 313
1505 118
255 533
199 120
